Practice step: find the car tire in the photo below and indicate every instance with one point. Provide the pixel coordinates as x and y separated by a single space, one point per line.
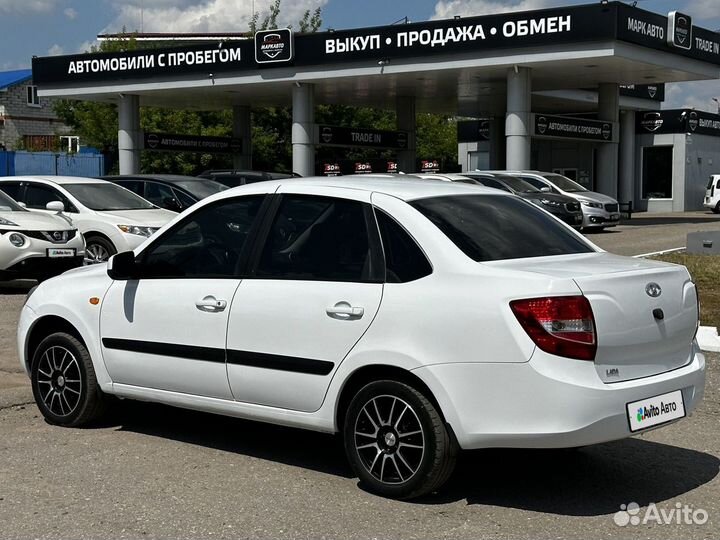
397 441
64 383
98 249
716 210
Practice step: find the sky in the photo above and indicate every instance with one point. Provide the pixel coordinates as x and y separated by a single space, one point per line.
51 27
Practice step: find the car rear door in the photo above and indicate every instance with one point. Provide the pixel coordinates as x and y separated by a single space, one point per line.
313 292
167 330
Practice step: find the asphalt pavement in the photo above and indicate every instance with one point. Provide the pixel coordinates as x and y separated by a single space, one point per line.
150 471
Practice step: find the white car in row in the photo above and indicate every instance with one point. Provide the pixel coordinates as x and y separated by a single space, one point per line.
712 194
111 218
36 246
416 318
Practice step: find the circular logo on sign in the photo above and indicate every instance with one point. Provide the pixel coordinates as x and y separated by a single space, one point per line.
326 135
402 139
682 29
653 290
693 121
272 45
606 131
542 125
651 121
652 90
153 140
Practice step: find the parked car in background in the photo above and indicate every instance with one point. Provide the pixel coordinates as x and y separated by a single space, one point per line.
414 317
34 245
564 208
712 195
233 178
599 211
110 217
168 191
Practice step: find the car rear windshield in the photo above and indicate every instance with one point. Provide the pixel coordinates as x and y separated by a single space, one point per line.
202 188
493 228
564 183
107 196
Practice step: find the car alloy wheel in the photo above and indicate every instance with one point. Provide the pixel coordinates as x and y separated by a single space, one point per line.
95 253
397 441
389 439
59 380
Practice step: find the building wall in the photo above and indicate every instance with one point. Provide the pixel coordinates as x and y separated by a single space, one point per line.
20 119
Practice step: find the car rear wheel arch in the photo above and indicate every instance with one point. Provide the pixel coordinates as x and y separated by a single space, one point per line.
377 372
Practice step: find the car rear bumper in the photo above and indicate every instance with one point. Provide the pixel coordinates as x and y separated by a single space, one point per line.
548 402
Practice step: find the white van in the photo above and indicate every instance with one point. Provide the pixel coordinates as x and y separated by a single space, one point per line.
712 195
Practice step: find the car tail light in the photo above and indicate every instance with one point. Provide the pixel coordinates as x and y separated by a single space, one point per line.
561 325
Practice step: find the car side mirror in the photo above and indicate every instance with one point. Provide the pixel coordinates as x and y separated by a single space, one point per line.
122 266
55 206
22 204
545 189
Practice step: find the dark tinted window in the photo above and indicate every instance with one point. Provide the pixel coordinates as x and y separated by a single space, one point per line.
136 186
106 196
404 260
489 228
159 194
535 182
12 189
185 200
317 238
490 182
38 195
208 243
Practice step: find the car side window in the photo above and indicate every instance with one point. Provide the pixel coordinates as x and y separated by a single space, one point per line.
37 196
404 260
489 182
534 182
317 238
136 186
12 190
158 194
209 243
184 200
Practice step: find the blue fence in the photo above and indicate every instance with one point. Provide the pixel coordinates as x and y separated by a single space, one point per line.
51 164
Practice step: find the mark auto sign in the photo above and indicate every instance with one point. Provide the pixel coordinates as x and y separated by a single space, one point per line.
274 46
572 128
679 30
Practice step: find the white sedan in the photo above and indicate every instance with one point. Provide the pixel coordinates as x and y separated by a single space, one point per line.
111 218
36 246
416 318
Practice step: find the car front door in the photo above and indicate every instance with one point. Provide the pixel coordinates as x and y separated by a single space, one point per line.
167 329
314 290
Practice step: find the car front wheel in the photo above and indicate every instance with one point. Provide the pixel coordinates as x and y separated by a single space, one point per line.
63 382
98 250
716 210
397 441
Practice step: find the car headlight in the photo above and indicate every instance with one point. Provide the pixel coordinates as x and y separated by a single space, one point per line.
4 221
548 202
592 204
138 229
17 240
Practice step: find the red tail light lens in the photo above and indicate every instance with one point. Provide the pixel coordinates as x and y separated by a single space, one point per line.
561 325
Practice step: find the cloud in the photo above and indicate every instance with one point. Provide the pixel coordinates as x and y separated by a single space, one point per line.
446 9
56 50
70 13
27 6
201 15
696 94
702 10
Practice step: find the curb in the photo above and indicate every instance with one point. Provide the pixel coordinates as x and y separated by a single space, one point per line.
708 339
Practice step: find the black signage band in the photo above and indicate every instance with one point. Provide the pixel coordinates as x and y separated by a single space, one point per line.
572 128
372 138
678 121
191 143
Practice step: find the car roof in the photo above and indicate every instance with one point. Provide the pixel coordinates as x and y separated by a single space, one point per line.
60 180
403 187
171 178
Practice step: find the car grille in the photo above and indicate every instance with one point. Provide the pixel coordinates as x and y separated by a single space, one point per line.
611 207
572 206
56 237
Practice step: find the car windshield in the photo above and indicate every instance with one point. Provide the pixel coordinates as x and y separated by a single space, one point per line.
9 205
201 188
496 227
564 183
106 196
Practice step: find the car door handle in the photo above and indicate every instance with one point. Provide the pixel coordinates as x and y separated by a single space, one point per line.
344 311
210 304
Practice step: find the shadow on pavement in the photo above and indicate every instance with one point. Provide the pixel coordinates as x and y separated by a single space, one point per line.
586 482
590 481
16 287
679 220
310 450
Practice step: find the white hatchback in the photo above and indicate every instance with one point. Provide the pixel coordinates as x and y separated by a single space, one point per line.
416 318
36 246
111 218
